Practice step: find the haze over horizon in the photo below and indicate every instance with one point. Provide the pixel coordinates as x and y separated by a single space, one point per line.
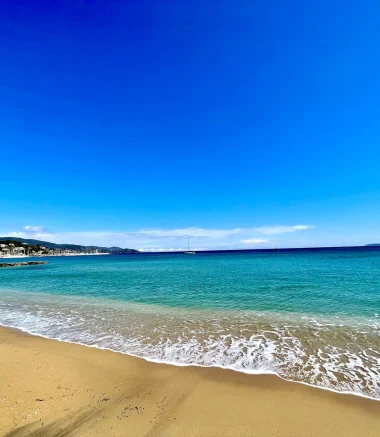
157 240
139 124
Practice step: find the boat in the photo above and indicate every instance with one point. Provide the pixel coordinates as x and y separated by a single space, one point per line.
189 252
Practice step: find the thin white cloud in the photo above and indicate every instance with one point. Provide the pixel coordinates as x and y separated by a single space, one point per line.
156 249
273 230
33 235
155 239
16 234
194 232
34 229
254 241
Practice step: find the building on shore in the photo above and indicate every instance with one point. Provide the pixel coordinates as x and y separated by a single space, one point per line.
10 249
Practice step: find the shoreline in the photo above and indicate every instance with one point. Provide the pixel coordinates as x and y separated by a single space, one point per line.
23 331
49 386
54 256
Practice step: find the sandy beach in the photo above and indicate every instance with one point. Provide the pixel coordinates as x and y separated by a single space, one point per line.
51 388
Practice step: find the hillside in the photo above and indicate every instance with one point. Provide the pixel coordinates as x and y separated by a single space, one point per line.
74 247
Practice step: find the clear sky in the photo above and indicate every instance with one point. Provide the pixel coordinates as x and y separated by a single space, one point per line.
241 124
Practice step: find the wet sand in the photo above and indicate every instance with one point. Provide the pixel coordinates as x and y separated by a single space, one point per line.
51 388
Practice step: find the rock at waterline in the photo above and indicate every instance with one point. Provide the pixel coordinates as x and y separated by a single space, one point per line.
23 263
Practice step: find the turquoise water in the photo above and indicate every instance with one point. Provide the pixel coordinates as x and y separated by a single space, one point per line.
309 316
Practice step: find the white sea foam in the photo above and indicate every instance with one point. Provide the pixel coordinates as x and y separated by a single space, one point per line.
342 355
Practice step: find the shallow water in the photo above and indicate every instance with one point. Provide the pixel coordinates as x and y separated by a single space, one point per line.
309 316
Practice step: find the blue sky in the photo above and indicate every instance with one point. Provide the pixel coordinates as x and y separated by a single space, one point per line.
239 124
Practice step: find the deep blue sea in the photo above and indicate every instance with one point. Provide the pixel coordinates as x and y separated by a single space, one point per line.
311 316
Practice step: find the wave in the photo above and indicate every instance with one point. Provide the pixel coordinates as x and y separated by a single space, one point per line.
336 354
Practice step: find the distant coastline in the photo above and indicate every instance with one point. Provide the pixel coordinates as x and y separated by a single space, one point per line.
20 247
50 255
11 248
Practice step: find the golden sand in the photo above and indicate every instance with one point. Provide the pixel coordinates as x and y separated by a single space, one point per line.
51 388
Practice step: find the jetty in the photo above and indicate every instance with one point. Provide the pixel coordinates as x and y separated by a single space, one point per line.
22 263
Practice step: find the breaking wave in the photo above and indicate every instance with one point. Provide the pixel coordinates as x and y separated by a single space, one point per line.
342 354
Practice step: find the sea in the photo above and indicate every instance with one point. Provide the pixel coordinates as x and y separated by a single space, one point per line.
311 316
